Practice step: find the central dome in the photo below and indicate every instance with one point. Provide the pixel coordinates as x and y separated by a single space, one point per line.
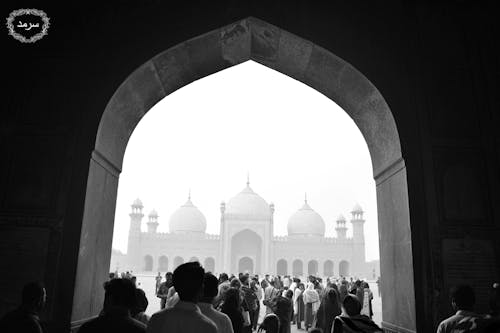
306 222
187 218
249 204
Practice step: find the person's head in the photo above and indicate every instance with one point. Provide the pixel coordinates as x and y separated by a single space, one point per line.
168 276
332 297
289 294
120 293
235 283
34 296
462 297
188 281
351 305
134 280
301 286
223 277
366 285
111 275
244 279
253 284
232 299
270 324
210 287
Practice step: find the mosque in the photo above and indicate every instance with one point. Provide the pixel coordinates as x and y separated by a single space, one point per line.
246 242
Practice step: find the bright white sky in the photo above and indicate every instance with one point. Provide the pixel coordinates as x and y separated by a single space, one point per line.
206 136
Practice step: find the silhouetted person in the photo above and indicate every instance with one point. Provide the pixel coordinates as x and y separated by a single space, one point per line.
210 291
270 324
25 317
492 324
163 290
353 321
232 308
283 308
185 316
328 310
119 300
465 319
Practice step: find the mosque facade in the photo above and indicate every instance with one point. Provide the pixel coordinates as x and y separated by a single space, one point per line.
246 242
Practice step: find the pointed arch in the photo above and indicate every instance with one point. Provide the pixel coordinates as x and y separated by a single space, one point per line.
249 39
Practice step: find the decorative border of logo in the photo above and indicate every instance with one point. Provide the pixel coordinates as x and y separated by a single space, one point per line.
30 11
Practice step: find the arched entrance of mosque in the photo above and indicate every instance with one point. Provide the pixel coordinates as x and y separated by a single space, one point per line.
312 267
178 261
282 267
297 268
328 268
245 265
344 268
246 243
148 263
163 264
252 39
209 264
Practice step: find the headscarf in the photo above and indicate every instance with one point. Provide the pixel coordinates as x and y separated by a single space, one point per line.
328 310
310 294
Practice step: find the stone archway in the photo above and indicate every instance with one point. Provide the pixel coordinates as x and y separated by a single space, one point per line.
312 267
250 39
246 265
163 264
209 264
246 243
297 268
148 263
344 268
328 268
282 267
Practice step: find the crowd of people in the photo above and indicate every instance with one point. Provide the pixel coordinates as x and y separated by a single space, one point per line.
193 300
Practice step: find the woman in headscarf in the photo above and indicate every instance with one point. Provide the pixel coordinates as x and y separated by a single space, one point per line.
367 300
328 310
283 309
232 308
311 298
298 305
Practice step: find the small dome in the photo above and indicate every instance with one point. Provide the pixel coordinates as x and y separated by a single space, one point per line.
248 203
306 222
188 218
341 218
357 209
137 202
153 213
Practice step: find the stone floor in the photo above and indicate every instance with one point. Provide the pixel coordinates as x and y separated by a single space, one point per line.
147 283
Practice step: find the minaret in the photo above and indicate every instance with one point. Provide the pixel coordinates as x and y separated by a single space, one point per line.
134 236
136 216
358 239
153 222
341 229
221 262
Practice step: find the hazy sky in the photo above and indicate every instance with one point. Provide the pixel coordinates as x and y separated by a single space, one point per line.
206 137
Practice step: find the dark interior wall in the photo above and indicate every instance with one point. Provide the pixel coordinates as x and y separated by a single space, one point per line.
436 65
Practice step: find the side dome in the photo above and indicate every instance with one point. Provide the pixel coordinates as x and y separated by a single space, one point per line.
247 203
306 222
188 218
357 209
